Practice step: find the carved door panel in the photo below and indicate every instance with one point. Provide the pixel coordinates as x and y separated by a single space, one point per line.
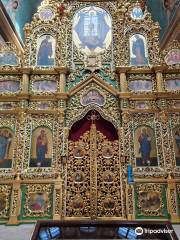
109 202
78 178
93 187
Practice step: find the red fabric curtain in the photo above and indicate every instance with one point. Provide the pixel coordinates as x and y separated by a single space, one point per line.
84 125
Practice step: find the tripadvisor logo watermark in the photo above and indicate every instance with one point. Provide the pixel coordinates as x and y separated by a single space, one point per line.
139 231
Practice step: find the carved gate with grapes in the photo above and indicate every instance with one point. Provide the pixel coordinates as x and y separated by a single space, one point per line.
93 178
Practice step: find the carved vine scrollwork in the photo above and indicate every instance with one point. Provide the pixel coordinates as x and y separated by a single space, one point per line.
173 123
5 191
94 177
173 200
163 123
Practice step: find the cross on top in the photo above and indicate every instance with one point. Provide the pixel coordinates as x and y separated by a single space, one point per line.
93 116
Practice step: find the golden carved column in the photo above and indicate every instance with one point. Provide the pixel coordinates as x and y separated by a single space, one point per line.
63 71
159 78
93 171
15 201
122 170
122 78
163 118
64 158
25 80
57 198
126 136
172 199
130 202
20 137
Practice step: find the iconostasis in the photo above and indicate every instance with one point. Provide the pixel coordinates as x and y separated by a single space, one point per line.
91 95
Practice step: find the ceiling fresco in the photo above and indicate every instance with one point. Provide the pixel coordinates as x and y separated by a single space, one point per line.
20 12
163 11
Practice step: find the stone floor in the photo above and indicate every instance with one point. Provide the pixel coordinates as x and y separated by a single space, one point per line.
24 232
21 232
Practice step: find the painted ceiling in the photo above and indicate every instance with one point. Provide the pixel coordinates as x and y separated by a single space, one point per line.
21 12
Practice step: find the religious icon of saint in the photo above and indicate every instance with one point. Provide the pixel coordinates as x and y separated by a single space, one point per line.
41 147
173 57
92 30
44 86
150 200
45 52
138 50
38 201
5 143
145 146
177 138
173 85
93 96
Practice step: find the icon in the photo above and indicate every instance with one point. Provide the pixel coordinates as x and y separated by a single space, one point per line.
139 231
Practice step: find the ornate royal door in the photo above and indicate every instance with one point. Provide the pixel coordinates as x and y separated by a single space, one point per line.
93 186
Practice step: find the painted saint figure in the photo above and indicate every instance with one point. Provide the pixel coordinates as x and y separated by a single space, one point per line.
138 50
45 53
177 138
41 147
5 142
145 146
38 202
